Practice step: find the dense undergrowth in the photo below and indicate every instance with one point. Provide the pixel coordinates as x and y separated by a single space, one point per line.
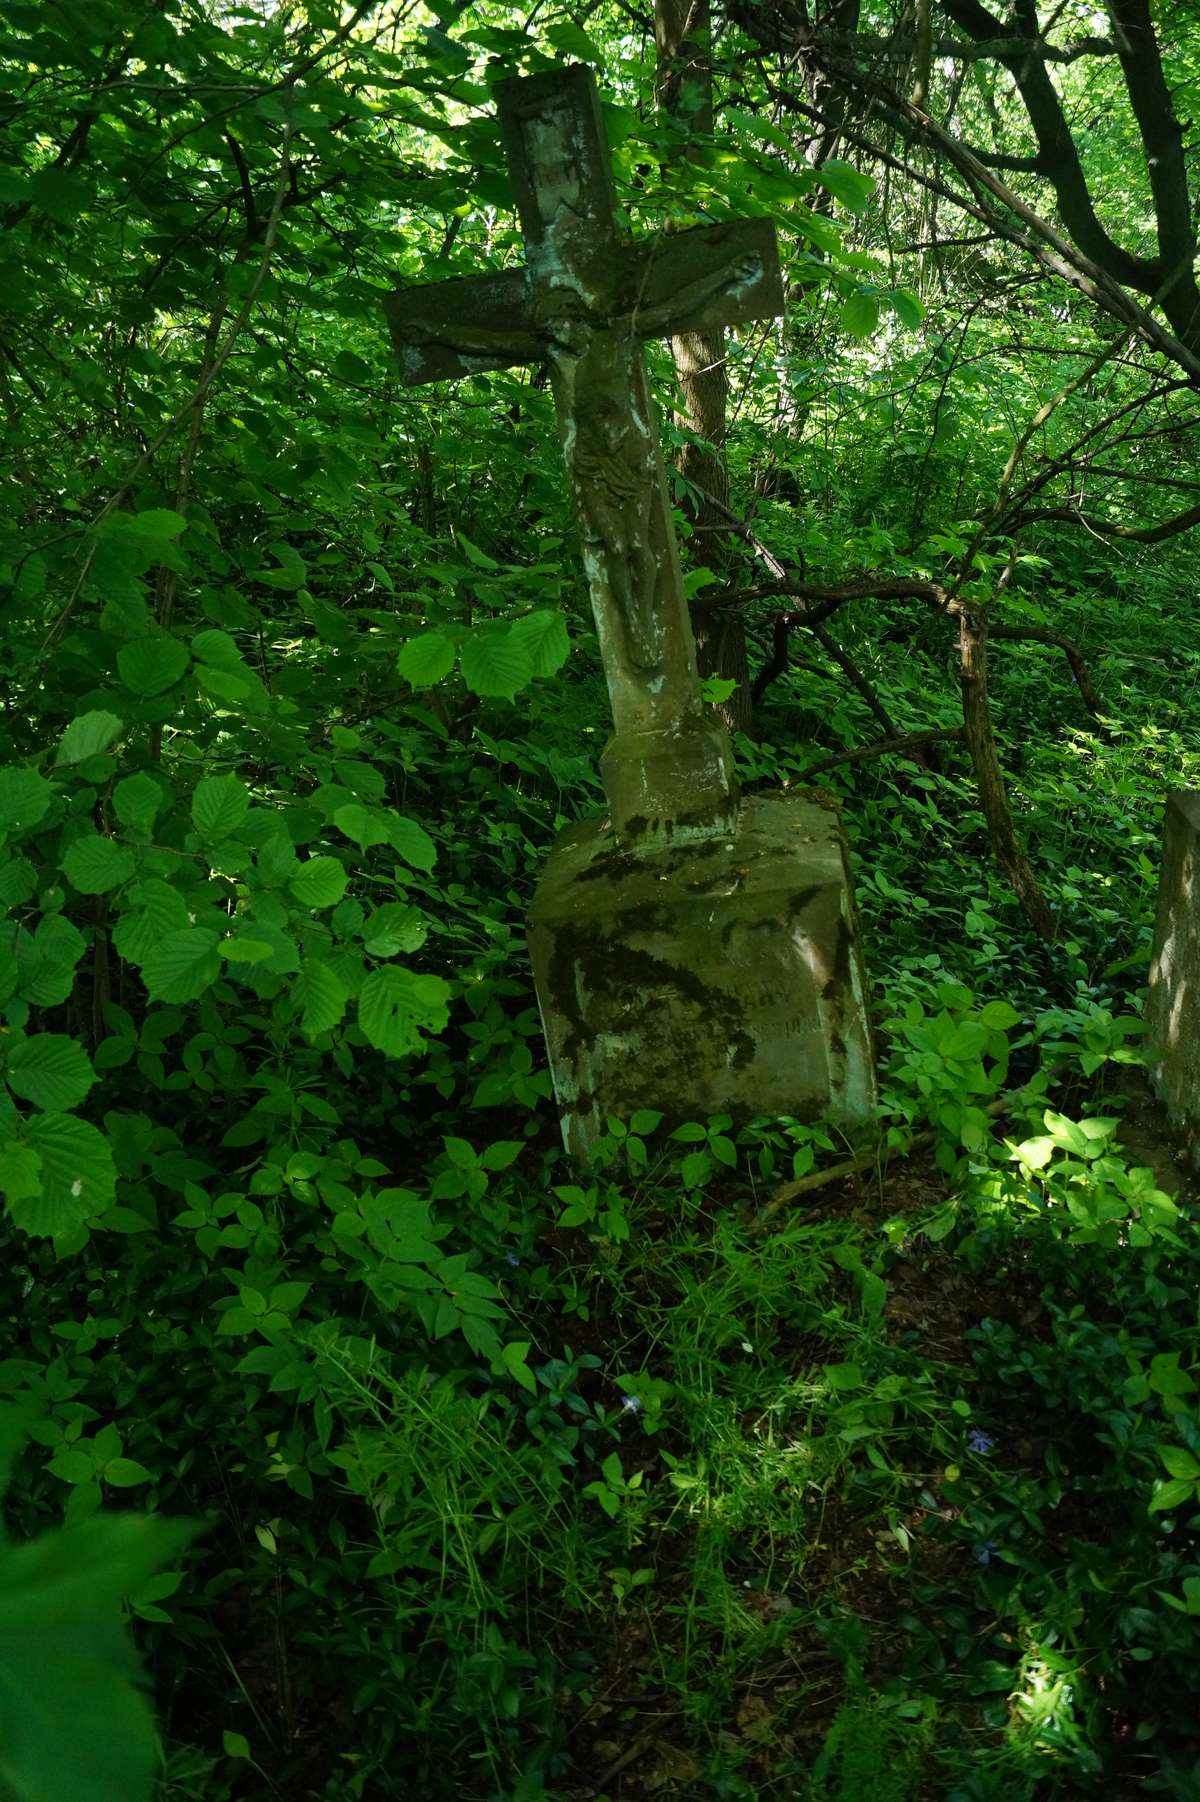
509 1480
495 1479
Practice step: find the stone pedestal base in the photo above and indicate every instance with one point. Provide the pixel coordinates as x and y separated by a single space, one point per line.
1173 1004
716 975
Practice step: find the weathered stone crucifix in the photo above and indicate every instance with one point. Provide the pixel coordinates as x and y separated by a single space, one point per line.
689 955
583 304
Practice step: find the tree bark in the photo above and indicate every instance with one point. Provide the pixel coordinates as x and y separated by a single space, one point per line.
684 85
993 795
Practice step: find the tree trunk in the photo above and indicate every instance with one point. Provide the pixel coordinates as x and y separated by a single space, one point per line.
993 795
684 86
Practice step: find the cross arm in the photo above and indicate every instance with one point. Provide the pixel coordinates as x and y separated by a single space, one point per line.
695 281
443 330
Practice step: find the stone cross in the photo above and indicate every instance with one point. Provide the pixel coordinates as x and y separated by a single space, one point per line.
689 956
582 304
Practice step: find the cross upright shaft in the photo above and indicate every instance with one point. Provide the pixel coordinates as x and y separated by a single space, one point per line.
583 304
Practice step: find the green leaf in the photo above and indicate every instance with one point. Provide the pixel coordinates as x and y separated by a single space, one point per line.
844 1376
646 1120
396 1006
998 1016
136 800
543 636
907 307
155 909
50 1069
426 660
860 316
124 1473
847 185
245 949
501 1154
572 41
514 1358
219 805
323 997
157 523
696 1169
148 666
218 649
396 926
48 973
319 882
86 736
1179 1463
495 663
236 1745
20 1171
78 1177
182 965
411 842
94 864
18 881
1171 1495
24 799
1166 1378
359 823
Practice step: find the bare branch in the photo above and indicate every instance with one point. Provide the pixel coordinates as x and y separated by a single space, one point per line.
905 745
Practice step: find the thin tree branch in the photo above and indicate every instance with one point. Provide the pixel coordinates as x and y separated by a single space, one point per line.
906 744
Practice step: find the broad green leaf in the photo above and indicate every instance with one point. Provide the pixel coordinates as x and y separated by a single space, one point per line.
20 1171
94 864
319 882
474 555
155 909
245 949
218 649
157 522
47 966
1166 1378
1179 1463
182 965
998 1016
136 800
907 307
501 1154
573 42
87 735
543 635
411 841
148 666
24 799
495 663
396 1006
73 1722
426 660
1172 1494
18 880
78 1177
847 185
323 997
361 824
124 1473
844 1376
49 1069
859 317
514 1357
219 805
394 927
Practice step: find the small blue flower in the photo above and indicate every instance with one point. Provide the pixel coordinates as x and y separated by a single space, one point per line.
632 1404
980 1441
510 1257
984 1552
